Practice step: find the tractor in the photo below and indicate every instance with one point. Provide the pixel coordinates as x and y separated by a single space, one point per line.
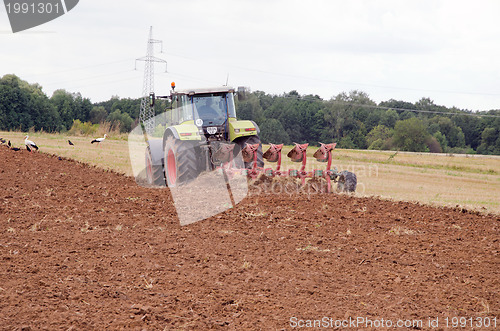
203 134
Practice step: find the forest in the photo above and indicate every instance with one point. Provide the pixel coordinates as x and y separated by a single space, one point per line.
351 119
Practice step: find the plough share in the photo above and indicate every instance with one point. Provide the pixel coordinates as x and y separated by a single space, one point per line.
346 180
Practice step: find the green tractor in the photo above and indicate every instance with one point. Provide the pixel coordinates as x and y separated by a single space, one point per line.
203 126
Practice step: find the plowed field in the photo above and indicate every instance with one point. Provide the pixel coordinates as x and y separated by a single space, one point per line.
83 248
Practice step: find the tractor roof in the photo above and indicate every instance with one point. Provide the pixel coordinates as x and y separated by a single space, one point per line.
219 89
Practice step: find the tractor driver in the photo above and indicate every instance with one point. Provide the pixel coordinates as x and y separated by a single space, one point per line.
208 111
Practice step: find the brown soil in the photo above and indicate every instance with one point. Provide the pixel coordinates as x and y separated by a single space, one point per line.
86 248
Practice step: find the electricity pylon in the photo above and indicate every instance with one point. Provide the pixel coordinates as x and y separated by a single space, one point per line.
147 114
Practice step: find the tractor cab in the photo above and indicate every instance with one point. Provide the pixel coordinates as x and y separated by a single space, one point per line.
210 110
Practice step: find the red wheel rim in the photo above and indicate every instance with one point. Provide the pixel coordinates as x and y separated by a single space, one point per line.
171 167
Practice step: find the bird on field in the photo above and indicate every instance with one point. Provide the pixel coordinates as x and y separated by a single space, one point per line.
2 140
99 140
69 142
15 149
29 144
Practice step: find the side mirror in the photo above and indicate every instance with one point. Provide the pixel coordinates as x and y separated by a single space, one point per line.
151 99
242 93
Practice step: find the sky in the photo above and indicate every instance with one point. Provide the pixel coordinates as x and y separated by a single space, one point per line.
448 51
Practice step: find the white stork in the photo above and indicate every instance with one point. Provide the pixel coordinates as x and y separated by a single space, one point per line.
99 140
29 144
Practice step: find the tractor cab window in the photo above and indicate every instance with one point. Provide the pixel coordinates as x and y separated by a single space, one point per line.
211 108
182 109
230 105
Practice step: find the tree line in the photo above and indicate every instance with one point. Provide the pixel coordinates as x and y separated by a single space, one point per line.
355 121
351 119
25 106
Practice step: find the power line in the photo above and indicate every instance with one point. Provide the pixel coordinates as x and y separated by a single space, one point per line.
462 113
77 69
106 82
260 71
91 77
430 111
192 78
334 81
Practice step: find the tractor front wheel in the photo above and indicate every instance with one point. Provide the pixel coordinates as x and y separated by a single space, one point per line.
180 162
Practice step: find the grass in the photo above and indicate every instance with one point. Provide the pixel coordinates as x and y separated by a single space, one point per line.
471 181
111 154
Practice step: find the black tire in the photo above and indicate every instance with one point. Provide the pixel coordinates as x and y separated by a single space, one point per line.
180 162
154 173
347 182
252 140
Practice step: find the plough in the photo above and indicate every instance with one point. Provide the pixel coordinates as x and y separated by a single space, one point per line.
346 180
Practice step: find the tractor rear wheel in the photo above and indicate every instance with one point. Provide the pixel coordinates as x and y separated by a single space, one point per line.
154 174
251 140
347 181
180 162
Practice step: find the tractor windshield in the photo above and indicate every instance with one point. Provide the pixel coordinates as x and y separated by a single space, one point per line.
213 108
